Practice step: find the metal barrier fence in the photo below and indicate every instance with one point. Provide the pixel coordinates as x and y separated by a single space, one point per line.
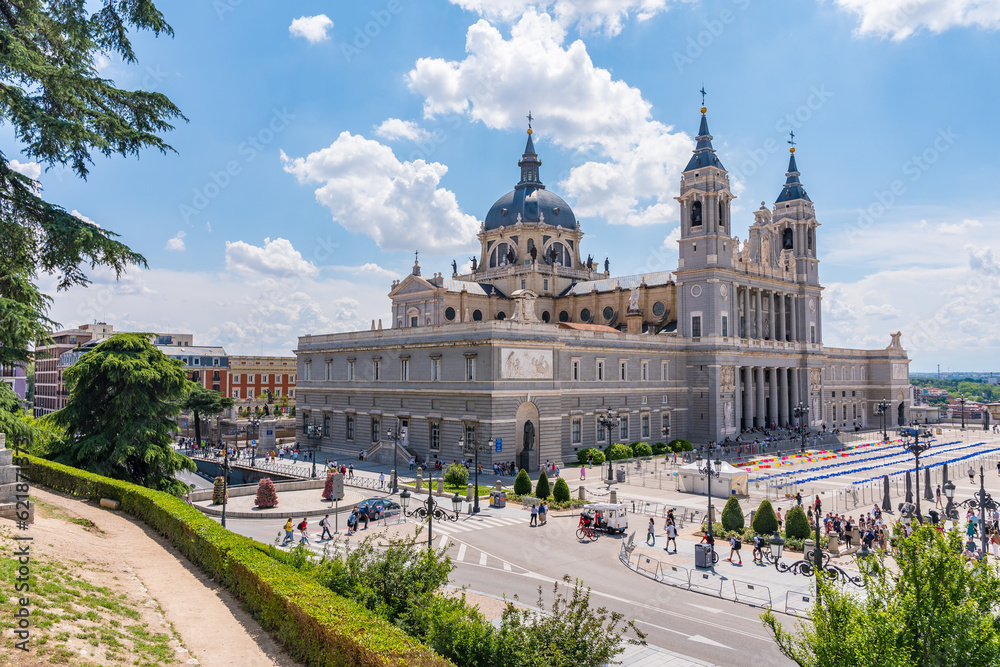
797 603
752 594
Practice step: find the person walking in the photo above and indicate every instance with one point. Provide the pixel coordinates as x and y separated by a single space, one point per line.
381 480
413 462
777 514
350 471
972 475
583 472
543 511
304 531
937 494
363 516
798 499
651 534
534 516
590 461
324 523
671 535
734 548
289 533
758 548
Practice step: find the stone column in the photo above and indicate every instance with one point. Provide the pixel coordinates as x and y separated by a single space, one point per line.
773 321
796 396
758 315
783 396
774 396
761 410
737 397
793 302
747 324
781 316
748 404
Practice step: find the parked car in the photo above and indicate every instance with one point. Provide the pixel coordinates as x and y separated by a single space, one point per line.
373 506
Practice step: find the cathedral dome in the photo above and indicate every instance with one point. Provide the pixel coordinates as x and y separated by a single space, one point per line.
529 201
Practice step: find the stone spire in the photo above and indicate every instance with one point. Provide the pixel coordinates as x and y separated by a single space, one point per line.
792 189
704 152
529 163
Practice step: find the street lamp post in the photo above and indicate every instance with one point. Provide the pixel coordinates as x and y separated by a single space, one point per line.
949 493
917 448
820 562
709 472
609 420
961 400
430 510
476 448
801 412
881 409
225 481
396 435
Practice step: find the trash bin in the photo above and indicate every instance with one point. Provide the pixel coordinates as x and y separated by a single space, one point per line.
502 499
620 475
702 555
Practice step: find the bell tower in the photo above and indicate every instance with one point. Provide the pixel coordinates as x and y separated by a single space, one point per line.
795 219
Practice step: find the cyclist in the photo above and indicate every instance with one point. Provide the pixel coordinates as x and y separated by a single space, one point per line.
585 523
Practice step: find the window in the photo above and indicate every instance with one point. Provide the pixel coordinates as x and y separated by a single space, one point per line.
833 394
812 333
602 433
307 371
854 409
250 377
623 370
645 426
623 429
664 371
236 377
435 370
264 377
524 284
326 426
470 433
215 376
665 424
215 361
376 369
329 371
413 321
376 429
350 427
236 393
350 370
197 361
577 429
435 435
644 369
725 325
470 369
277 392
576 369
404 369
291 393
696 326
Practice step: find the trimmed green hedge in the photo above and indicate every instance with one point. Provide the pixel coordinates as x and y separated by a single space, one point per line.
316 626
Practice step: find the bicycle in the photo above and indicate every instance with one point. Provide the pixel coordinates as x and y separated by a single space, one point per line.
586 532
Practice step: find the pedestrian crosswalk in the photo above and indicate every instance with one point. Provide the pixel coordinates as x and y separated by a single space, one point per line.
466 524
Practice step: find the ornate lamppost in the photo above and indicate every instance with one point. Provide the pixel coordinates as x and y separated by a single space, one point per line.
962 399
981 501
396 436
609 420
430 510
801 412
820 562
949 493
917 448
475 448
881 409
225 480
711 469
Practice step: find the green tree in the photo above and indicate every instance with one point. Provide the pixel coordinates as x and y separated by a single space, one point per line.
680 445
796 523
61 110
542 486
931 608
202 402
642 449
732 515
560 491
457 475
522 483
124 396
585 454
24 431
764 520
619 451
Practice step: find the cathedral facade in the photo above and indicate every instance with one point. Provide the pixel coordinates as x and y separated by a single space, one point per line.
531 349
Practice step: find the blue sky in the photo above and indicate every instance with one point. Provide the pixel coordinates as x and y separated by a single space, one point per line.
328 141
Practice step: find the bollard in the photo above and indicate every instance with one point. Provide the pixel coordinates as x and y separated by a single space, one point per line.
440 486
468 493
420 479
581 492
614 497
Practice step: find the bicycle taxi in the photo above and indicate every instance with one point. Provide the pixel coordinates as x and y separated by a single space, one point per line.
609 518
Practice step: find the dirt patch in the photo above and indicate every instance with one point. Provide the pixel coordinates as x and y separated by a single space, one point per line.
108 591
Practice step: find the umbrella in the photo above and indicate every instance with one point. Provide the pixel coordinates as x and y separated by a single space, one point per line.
928 495
909 488
886 503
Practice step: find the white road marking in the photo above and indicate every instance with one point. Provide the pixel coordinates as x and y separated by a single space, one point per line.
706 640
506 567
482 558
461 552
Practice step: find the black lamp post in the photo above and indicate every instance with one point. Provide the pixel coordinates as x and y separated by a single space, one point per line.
881 409
709 472
475 447
820 562
430 510
801 412
961 400
396 436
917 448
609 420
949 493
225 480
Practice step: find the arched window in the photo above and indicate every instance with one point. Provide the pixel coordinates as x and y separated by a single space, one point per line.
502 255
722 220
786 239
558 254
564 316
809 240
696 214
546 317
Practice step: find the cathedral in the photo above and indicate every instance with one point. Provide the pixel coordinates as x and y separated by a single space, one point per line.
538 351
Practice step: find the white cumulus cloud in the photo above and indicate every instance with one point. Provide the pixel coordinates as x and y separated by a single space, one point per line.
394 128
30 169
81 216
631 164
177 242
398 204
898 19
312 28
275 258
608 16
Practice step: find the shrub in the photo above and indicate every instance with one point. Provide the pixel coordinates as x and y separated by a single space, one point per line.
456 475
732 515
266 494
642 449
584 454
218 489
328 484
796 523
522 483
680 445
619 451
660 448
542 487
560 492
764 520
315 625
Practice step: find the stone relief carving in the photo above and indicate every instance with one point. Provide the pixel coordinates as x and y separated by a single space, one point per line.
815 379
727 378
633 299
895 344
729 414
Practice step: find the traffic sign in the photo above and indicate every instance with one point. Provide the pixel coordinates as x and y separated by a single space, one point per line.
499 445
253 442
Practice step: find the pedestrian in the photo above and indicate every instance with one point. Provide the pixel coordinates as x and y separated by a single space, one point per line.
583 472
324 523
972 475
671 535
998 467
363 516
304 530
798 499
650 534
352 522
590 461
543 511
937 494
289 532
777 514
734 548
413 462
758 548
381 480
350 471
534 516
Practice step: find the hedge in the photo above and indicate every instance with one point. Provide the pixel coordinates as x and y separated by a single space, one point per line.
316 626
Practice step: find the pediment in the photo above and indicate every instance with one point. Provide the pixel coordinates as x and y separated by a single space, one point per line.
411 284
